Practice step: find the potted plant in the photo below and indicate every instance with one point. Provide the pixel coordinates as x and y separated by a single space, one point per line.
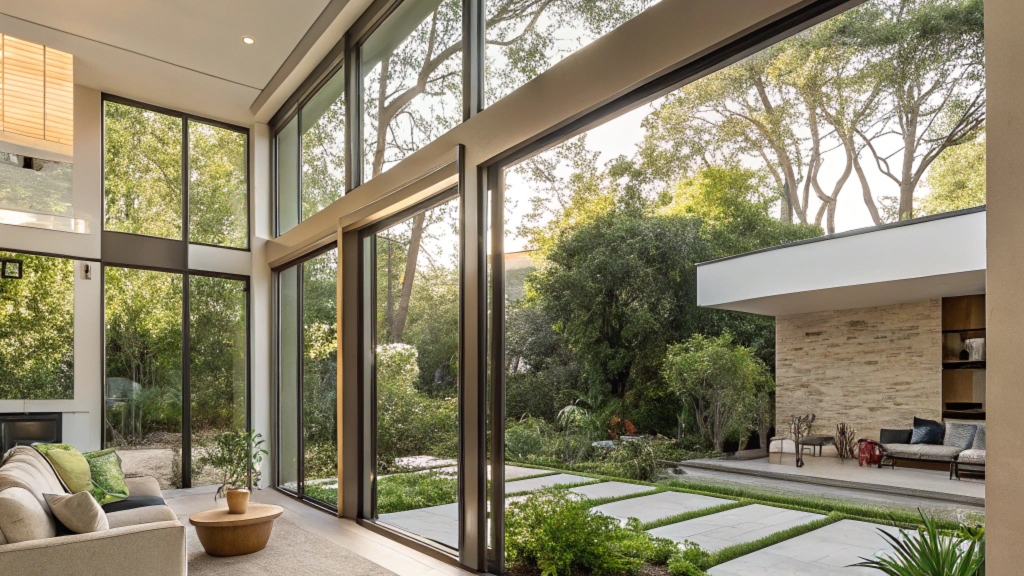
237 456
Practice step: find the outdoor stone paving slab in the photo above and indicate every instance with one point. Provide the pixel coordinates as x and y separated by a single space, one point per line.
438 523
827 551
511 472
543 482
736 526
610 490
658 506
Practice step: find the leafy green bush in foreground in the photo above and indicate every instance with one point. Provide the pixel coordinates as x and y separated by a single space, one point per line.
559 535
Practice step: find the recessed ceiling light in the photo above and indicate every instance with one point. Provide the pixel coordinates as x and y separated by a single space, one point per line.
248 40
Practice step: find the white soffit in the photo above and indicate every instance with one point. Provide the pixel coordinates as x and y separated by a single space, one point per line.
907 262
187 54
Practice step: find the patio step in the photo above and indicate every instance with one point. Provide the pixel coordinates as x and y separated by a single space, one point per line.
836 483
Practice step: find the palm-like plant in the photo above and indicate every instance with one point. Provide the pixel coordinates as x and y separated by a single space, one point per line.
929 551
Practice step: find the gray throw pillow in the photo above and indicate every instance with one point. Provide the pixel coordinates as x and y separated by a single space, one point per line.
979 438
959 435
80 513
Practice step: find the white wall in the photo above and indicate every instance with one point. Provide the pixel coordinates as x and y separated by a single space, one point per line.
83 415
82 423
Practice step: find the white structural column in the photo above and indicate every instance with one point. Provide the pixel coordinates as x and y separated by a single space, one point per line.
1004 47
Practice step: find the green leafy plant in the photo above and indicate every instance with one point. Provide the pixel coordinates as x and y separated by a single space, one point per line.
692 560
559 535
929 551
237 456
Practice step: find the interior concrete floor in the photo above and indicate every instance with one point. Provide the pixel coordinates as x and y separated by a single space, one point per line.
400 559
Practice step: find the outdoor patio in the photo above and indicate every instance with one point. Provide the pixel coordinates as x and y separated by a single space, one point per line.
831 471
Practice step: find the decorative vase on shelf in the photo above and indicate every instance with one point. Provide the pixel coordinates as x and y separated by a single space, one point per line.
975 348
964 355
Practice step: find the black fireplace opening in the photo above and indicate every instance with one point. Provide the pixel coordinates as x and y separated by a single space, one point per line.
28 429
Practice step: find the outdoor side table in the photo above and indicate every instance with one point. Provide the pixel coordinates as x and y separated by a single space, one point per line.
818 442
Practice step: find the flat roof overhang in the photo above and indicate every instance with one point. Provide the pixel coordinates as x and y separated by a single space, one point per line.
921 259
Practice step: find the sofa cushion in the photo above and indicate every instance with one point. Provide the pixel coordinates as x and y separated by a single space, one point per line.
972 457
70 465
137 516
926 432
895 436
79 513
143 486
959 434
24 467
3 540
132 502
22 518
107 477
935 452
979 438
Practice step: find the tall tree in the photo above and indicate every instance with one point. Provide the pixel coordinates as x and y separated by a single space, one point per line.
928 57
893 82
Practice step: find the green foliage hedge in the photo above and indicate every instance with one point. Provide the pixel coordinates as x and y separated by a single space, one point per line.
559 535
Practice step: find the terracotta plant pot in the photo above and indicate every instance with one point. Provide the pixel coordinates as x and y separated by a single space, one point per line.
238 501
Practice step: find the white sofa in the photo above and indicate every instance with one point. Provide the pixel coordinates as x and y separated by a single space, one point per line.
147 540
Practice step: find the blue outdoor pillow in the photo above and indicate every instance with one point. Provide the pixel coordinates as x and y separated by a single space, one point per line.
926 432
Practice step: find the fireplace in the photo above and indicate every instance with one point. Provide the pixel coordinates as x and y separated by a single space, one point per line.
27 429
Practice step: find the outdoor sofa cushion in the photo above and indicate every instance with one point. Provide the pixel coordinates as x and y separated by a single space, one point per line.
972 457
959 434
979 438
926 432
895 436
935 452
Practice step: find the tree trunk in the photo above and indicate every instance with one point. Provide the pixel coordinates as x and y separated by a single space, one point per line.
402 314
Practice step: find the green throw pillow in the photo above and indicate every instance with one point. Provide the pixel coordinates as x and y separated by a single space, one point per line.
107 476
70 465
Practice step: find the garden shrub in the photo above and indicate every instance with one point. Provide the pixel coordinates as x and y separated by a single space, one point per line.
559 535
410 423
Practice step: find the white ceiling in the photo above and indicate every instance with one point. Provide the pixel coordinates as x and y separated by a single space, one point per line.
184 54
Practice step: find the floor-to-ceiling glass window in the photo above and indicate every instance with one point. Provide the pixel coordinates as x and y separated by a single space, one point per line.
217 367
146 397
416 317
307 434
143 388
412 69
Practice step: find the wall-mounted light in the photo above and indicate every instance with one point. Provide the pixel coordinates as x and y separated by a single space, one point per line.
248 40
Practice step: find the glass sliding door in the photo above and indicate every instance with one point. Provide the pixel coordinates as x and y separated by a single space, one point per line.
320 378
288 380
143 403
307 435
217 367
416 322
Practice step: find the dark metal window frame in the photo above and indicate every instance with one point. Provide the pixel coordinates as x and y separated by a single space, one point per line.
300 493
492 196
185 119
481 207
344 58
186 370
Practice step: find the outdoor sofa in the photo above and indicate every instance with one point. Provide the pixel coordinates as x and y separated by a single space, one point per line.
959 442
147 540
